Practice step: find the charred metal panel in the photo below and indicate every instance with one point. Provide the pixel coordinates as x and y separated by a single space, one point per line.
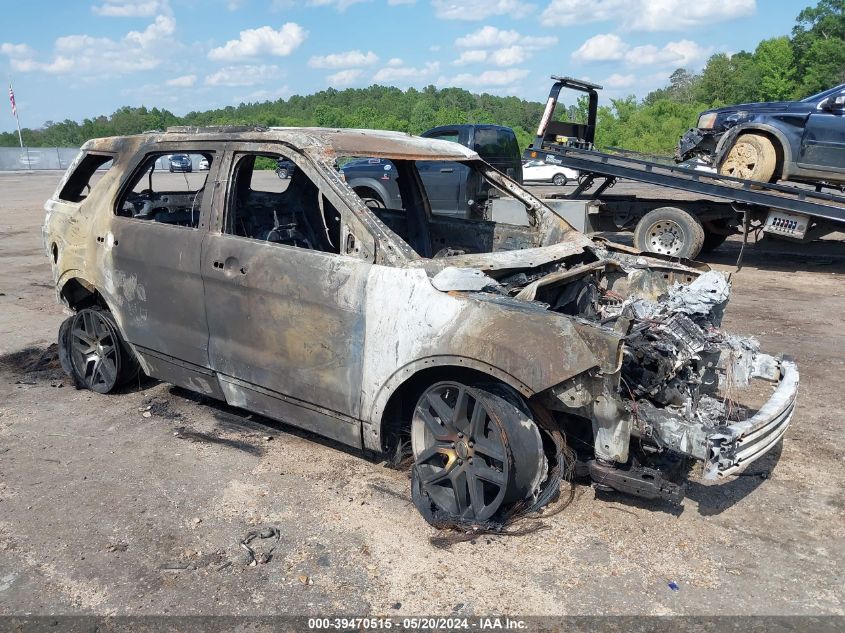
532 348
287 319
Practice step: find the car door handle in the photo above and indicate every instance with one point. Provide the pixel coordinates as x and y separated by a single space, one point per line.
447 170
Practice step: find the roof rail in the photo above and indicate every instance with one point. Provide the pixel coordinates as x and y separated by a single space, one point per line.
214 129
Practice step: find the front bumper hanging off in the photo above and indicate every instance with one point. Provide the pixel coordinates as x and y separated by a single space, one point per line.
733 447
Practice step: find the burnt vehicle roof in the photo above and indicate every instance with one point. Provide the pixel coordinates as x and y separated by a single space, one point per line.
316 141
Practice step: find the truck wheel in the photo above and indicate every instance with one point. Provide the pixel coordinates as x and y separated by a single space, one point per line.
476 455
95 352
559 180
670 231
752 157
370 198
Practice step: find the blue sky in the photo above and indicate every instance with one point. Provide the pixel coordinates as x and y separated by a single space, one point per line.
71 60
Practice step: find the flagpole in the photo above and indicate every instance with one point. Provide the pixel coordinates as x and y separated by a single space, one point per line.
18 121
20 136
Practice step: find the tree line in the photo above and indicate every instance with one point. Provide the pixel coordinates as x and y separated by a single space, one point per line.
782 68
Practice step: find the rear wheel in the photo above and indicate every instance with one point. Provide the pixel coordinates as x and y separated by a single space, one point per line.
670 231
559 180
370 198
476 454
752 157
94 351
282 172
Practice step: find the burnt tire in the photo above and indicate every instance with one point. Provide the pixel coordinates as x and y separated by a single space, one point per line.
93 352
670 231
477 455
559 180
752 157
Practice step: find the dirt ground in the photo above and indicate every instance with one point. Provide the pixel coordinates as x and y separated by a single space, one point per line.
135 503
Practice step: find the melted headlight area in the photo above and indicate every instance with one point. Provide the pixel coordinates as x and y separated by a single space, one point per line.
676 395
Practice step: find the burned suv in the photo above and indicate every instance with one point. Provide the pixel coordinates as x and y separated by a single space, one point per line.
506 356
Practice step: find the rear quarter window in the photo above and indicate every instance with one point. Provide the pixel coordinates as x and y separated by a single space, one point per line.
79 184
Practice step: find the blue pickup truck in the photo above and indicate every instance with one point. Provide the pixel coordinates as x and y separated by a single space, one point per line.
451 187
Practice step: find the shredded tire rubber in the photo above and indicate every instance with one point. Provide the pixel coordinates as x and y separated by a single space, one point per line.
509 521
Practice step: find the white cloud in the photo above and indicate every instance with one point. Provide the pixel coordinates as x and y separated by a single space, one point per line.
16 50
488 37
471 57
601 47
345 77
683 53
349 59
646 15
502 48
130 8
510 56
185 81
610 47
480 9
85 55
395 61
619 81
674 15
340 5
243 75
266 95
393 73
490 78
569 12
261 41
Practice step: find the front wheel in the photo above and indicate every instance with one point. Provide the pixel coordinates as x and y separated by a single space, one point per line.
476 454
752 157
559 180
96 355
282 173
669 231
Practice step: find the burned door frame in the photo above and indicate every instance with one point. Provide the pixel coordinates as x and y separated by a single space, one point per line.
286 323
156 282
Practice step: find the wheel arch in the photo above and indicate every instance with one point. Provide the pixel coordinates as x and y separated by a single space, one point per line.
404 387
776 136
370 183
78 293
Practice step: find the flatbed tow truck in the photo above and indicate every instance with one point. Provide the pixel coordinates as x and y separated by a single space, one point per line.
682 228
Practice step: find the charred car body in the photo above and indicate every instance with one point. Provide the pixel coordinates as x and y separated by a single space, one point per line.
802 141
488 344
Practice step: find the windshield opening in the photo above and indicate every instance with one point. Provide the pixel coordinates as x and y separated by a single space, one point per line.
444 208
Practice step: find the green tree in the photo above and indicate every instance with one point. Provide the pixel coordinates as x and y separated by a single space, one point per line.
776 64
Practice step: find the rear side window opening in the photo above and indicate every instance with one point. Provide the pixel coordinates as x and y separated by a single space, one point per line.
78 185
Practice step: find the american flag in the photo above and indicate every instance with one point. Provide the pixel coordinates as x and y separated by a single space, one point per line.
12 101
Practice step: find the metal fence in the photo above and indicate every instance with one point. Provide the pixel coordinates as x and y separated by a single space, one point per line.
36 158
42 158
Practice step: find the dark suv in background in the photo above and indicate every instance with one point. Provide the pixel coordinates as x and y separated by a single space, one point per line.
802 141
452 188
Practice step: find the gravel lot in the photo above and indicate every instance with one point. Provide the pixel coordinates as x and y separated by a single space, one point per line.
135 503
